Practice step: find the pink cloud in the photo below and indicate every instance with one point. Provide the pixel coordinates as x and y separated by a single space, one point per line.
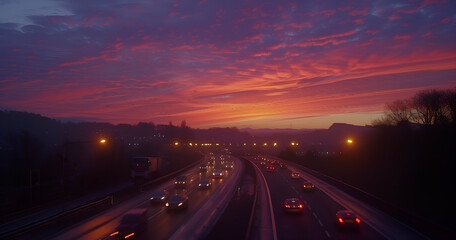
445 20
402 37
362 12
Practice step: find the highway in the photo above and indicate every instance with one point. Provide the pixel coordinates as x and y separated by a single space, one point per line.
269 221
161 224
318 220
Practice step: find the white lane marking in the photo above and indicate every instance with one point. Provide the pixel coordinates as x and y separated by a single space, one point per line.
161 210
319 221
315 215
327 234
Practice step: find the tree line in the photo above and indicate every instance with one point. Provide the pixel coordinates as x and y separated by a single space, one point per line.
428 107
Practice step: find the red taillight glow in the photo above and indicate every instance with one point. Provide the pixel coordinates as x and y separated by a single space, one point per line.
357 220
341 220
300 206
129 235
287 206
113 234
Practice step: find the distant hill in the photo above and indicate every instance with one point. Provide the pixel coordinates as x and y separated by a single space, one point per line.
334 136
264 132
221 135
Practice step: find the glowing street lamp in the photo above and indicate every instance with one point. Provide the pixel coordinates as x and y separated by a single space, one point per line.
102 141
349 141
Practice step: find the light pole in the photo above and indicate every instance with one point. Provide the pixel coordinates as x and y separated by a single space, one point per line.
64 159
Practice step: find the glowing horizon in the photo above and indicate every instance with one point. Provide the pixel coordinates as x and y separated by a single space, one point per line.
247 64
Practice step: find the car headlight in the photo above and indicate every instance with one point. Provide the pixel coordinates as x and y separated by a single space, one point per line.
167 204
180 204
162 198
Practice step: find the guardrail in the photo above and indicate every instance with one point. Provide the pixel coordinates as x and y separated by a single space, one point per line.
264 183
20 230
169 174
199 225
13 233
252 212
424 225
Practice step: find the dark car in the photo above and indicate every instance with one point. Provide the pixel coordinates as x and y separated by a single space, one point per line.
178 201
180 181
132 223
295 175
293 205
308 186
205 183
229 165
203 168
270 168
159 197
282 165
347 219
217 174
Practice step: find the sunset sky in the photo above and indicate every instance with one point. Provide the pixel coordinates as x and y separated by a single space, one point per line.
274 64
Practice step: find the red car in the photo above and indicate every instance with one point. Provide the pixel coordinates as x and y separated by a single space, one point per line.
293 205
347 219
270 168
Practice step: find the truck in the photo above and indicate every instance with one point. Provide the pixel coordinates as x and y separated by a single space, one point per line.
144 167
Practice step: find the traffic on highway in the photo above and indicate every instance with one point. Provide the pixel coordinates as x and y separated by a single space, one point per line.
289 204
160 212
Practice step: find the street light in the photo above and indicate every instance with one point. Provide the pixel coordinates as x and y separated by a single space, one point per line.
64 159
349 141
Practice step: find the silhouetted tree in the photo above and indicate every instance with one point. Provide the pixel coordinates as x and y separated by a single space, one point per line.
399 111
428 107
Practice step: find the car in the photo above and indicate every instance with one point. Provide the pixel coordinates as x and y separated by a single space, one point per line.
293 205
270 168
229 165
308 186
275 162
282 165
131 224
204 183
159 197
180 182
295 175
217 174
262 163
177 202
347 219
203 168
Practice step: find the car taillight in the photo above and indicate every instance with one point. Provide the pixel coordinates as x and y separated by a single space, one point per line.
287 206
357 220
300 206
341 220
129 235
113 234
